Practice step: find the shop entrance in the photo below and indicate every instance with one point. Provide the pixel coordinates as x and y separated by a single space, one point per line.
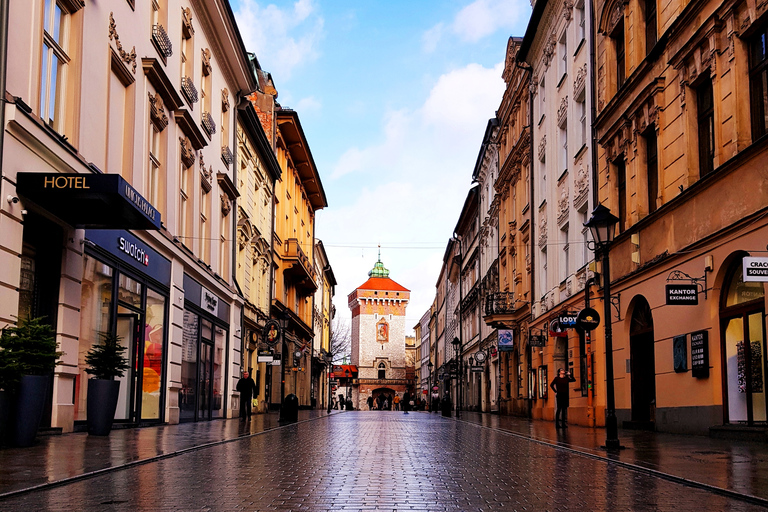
642 365
128 330
200 397
743 345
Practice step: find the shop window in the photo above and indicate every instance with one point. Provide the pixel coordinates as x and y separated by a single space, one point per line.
705 113
758 81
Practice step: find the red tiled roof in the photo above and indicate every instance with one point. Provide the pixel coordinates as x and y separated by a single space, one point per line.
382 283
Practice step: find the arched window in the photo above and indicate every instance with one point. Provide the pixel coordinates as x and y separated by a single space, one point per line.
382 371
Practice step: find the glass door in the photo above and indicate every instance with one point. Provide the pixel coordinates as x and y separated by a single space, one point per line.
205 383
128 331
745 356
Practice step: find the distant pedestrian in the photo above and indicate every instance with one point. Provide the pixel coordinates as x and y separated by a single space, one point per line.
560 386
370 403
386 404
406 402
248 390
396 401
435 402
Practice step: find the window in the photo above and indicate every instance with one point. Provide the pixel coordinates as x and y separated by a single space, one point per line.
120 118
652 166
563 49
542 96
581 31
564 146
705 111
565 260
581 111
205 225
224 254
585 252
621 176
185 206
650 25
758 82
382 371
54 64
618 41
154 176
543 287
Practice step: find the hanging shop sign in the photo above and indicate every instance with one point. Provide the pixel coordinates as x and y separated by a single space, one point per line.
271 333
682 295
95 201
588 319
556 329
537 337
680 353
755 269
480 356
265 356
567 320
478 369
209 301
700 354
277 360
506 340
494 351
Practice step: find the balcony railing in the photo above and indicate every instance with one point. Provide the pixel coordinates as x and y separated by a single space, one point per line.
162 41
189 89
208 123
226 155
501 303
302 270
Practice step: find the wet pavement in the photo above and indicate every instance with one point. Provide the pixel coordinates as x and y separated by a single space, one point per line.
382 461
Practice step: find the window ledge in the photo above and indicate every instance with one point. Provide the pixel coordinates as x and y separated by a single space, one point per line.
541 120
578 48
562 80
580 152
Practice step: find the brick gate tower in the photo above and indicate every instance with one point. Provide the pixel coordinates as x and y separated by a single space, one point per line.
378 336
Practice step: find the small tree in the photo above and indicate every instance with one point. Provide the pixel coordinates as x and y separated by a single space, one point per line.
105 360
29 348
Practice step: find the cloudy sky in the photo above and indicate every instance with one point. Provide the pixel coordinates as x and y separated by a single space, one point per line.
394 97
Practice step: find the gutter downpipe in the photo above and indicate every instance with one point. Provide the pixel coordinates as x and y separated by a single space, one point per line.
527 67
4 7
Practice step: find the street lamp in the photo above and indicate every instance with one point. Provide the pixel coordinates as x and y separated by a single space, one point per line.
457 354
429 384
602 225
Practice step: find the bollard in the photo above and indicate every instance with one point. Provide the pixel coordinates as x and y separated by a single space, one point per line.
290 408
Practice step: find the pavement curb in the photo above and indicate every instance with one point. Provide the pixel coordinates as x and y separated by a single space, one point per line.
156 458
749 498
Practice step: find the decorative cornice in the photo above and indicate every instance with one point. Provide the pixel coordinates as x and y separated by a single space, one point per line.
542 148
186 17
224 99
187 152
206 61
580 82
562 111
128 58
157 111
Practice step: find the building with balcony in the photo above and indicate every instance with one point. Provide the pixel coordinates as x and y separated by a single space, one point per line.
323 312
121 216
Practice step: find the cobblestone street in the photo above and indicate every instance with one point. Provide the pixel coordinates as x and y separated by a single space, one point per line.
377 461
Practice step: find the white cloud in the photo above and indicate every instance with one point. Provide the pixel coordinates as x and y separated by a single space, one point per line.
477 20
282 39
414 182
308 105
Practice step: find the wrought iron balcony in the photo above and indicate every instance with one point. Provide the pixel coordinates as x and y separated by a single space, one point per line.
301 270
208 123
501 303
189 89
226 155
162 41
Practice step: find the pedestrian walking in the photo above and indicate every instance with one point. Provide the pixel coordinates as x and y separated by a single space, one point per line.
386 404
370 403
396 401
406 402
560 387
435 402
248 390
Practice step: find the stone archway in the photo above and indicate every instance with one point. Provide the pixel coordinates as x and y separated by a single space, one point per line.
388 392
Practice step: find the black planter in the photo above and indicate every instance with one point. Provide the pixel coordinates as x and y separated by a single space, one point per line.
102 404
33 390
6 415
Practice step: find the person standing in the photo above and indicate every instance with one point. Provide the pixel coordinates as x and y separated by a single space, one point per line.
370 403
560 386
248 390
396 401
406 402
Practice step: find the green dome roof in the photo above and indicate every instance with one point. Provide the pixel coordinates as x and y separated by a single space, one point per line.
378 269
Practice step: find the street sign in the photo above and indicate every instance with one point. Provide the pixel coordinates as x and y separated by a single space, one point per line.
265 359
478 369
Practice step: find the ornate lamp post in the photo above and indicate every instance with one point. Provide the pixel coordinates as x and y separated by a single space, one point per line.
429 384
602 225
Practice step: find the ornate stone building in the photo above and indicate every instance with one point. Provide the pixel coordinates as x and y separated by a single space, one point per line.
378 337
681 155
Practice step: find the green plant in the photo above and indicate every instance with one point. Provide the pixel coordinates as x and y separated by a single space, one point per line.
105 360
28 348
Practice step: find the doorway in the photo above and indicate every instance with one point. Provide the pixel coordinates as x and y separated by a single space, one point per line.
743 345
642 365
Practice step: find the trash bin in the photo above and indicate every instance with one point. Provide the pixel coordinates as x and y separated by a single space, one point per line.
445 406
290 409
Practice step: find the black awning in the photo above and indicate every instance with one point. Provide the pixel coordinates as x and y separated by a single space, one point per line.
92 201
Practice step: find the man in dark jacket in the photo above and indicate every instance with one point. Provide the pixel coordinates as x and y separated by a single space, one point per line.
560 387
248 390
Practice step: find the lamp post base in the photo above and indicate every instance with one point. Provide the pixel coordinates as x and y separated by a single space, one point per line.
612 444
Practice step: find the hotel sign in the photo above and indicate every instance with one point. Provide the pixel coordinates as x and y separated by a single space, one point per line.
755 270
682 295
91 201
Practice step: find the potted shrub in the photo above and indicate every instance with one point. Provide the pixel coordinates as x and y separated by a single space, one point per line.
105 361
29 355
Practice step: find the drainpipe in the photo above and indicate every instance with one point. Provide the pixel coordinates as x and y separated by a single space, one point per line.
4 7
593 107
